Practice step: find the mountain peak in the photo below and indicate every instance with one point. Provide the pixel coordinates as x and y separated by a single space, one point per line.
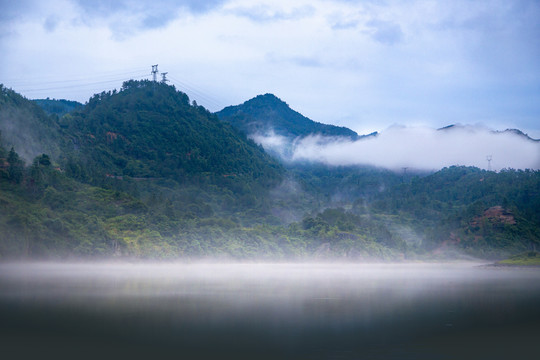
151 130
269 114
268 98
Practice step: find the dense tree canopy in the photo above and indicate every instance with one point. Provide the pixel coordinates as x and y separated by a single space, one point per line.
266 113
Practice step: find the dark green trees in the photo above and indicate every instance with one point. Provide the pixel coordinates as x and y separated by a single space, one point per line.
15 167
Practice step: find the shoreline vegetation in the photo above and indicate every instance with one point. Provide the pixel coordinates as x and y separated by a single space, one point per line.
527 259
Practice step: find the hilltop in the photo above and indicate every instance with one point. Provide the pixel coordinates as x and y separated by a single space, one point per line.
151 130
267 113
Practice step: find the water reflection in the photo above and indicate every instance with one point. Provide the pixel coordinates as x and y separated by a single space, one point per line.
276 310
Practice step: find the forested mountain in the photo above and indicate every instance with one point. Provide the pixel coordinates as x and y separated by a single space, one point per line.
142 173
150 130
266 114
481 211
138 160
59 107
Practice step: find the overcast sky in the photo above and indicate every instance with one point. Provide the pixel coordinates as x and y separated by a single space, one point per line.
362 64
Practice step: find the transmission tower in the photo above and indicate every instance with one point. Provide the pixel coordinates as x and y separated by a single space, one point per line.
488 158
164 77
154 72
403 174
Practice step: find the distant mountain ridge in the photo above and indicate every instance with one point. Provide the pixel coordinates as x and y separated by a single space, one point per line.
267 113
514 131
59 107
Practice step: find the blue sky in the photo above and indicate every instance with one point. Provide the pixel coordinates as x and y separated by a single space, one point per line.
366 65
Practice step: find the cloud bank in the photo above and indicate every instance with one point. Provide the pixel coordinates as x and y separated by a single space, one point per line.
419 148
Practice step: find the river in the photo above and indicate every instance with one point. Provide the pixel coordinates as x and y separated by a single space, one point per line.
268 311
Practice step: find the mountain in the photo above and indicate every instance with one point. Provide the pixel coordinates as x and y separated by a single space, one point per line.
474 128
483 213
519 133
267 114
142 173
26 127
138 172
59 107
150 130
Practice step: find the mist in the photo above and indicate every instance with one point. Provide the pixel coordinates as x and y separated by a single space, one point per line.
268 311
418 148
19 128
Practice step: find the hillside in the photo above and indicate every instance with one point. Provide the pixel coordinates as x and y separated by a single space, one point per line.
149 130
483 213
49 215
268 114
142 173
25 126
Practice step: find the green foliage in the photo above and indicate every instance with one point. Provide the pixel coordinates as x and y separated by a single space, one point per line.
150 130
529 258
143 173
15 167
487 214
266 113
57 107
26 127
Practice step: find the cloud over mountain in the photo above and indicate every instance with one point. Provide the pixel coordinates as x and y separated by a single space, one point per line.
419 148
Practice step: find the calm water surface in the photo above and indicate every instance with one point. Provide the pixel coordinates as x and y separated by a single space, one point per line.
269 311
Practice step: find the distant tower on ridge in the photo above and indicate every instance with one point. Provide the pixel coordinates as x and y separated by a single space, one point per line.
164 77
488 158
154 72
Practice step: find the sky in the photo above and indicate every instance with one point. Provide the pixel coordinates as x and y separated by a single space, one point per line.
368 65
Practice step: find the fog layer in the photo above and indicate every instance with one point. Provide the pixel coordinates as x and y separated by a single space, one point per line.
414 147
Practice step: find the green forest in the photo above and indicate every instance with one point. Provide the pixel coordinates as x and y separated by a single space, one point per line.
143 173
267 112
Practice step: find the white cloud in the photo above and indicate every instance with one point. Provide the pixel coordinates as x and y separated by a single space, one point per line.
416 148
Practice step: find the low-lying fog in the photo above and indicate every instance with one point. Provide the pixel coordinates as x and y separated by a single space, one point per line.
286 310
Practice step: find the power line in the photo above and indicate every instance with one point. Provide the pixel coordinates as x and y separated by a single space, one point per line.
77 85
93 83
198 94
18 81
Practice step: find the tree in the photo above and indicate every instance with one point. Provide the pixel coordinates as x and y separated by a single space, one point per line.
44 160
16 167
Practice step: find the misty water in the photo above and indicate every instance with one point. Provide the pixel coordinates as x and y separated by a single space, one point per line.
269 311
